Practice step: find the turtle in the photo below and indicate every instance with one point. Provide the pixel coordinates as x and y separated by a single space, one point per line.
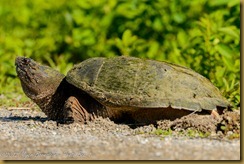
124 89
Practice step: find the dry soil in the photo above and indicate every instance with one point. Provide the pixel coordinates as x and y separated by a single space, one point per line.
29 135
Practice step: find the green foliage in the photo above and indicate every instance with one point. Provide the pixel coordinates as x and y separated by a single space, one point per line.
201 34
187 132
234 136
163 133
196 133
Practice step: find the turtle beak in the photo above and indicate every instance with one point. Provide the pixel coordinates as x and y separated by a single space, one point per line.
25 68
22 60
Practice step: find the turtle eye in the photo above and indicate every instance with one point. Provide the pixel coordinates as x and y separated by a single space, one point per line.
26 61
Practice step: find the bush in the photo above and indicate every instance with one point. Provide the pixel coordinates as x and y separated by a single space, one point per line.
201 34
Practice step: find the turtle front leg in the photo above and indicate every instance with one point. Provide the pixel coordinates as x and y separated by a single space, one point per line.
73 111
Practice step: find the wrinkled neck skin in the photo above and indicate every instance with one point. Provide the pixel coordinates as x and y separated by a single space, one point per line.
52 105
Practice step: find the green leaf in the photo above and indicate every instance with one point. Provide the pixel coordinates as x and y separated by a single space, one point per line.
224 50
233 3
127 38
232 31
232 85
179 17
157 24
227 88
220 71
223 127
218 2
229 64
153 49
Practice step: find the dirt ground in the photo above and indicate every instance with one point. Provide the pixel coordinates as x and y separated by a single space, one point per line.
29 135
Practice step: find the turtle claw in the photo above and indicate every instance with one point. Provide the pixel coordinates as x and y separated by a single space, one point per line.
215 114
74 112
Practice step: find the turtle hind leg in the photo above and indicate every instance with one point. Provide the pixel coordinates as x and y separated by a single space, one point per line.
73 111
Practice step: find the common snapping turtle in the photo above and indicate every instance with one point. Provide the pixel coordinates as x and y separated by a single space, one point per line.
125 89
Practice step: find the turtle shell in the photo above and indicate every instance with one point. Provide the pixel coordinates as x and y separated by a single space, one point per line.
134 82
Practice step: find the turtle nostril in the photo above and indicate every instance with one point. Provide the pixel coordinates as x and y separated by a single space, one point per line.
26 60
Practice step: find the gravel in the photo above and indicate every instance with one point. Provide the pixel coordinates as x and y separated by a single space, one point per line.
28 135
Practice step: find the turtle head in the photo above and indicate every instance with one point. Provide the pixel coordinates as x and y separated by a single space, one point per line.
37 81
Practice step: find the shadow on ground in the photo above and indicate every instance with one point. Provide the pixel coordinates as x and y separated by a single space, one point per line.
23 118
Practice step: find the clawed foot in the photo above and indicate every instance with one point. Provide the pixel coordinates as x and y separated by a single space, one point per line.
73 111
215 114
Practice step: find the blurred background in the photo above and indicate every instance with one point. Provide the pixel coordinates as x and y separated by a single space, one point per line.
201 34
